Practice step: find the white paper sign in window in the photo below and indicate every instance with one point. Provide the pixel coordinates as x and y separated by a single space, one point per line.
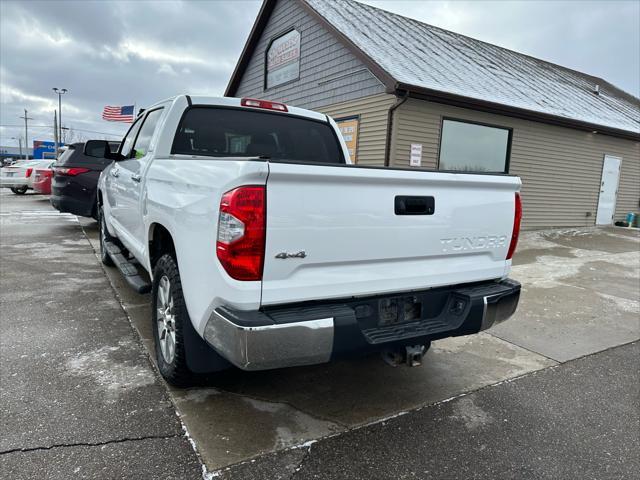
283 59
416 155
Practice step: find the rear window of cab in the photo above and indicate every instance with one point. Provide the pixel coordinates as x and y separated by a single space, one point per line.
235 132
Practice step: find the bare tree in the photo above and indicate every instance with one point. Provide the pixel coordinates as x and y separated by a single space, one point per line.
69 135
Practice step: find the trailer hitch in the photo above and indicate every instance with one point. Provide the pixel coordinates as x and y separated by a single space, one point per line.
410 355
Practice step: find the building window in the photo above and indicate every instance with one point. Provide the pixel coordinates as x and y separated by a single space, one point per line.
473 147
282 64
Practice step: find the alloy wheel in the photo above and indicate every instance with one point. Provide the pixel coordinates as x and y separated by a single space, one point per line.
166 320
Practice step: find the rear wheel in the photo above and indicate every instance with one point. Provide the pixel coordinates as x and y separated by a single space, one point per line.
19 190
169 320
104 238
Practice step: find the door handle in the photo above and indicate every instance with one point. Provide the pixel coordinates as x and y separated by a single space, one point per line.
136 178
114 172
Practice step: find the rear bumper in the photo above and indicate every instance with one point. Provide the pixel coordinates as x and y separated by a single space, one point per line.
11 182
66 204
316 333
43 187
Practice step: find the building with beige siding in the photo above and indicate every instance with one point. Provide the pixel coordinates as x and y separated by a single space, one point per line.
410 95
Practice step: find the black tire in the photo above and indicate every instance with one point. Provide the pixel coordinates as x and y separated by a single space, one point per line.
19 190
104 236
174 368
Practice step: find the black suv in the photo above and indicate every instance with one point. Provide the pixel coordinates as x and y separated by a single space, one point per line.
75 180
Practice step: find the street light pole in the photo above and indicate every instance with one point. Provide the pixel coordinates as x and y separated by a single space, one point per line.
60 92
19 143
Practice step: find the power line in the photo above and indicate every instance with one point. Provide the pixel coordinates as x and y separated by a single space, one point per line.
73 128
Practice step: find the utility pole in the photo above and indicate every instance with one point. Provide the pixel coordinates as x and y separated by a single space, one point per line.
26 119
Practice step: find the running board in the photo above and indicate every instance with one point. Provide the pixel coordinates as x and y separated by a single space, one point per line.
127 268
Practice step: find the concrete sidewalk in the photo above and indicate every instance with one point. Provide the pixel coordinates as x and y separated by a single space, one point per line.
79 397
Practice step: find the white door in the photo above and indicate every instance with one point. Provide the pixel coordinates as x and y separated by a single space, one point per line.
608 190
113 185
132 169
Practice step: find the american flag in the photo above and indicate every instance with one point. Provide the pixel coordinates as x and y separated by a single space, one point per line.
118 114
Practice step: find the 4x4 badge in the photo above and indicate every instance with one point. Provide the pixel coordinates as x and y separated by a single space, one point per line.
285 255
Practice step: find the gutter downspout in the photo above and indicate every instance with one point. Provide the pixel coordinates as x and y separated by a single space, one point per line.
387 149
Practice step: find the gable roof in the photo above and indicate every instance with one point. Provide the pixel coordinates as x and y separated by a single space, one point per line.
440 65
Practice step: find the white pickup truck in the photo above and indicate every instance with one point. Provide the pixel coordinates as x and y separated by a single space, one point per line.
264 247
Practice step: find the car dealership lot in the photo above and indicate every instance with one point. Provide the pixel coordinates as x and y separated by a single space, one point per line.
78 390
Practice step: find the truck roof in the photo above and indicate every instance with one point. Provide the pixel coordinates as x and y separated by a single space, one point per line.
236 102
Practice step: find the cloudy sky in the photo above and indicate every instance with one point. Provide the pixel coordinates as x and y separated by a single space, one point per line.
119 53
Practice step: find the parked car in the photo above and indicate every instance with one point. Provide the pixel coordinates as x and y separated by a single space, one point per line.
75 179
266 248
19 176
42 180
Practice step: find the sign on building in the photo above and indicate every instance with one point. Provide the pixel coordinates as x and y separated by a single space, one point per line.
283 59
44 149
349 128
415 160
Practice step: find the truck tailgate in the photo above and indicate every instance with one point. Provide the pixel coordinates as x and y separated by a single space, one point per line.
335 232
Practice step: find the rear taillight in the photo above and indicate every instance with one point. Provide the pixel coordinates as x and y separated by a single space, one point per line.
241 232
71 172
254 102
29 172
517 219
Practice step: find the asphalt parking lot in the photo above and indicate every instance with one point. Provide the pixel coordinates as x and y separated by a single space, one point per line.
552 393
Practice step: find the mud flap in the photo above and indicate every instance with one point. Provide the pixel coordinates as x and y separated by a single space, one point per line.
201 358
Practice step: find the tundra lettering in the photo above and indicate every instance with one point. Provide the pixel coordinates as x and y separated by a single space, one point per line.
473 243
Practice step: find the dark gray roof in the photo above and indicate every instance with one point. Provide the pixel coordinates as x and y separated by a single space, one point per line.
418 55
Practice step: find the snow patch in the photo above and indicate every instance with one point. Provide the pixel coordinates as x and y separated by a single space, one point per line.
472 415
549 271
114 376
624 304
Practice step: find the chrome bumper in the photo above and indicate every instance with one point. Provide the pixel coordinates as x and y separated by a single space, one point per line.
498 308
271 346
308 335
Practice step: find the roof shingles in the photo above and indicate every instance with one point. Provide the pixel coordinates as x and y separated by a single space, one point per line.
427 57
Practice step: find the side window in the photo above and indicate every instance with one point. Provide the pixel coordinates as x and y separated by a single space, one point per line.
127 143
143 141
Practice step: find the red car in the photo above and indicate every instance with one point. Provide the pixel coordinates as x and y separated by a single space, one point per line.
42 181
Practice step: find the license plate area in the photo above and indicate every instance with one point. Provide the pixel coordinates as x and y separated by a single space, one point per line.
396 310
